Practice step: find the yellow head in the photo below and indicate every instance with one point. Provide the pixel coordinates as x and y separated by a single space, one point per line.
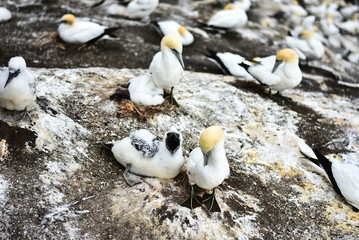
306 34
330 16
295 2
69 19
229 7
182 30
265 22
172 42
210 137
287 55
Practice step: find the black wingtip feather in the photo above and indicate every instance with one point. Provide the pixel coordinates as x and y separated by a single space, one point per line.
213 55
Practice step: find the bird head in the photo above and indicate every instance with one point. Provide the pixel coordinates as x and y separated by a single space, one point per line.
182 30
209 138
285 55
229 6
173 140
172 42
306 34
68 19
16 65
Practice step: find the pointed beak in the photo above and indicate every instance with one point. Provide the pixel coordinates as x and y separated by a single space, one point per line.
178 56
276 65
206 157
12 75
60 21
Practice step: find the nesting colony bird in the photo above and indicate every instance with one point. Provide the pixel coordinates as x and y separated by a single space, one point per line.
5 14
229 63
143 91
243 4
167 65
279 72
306 45
81 32
231 17
343 176
207 166
141 153
351 26
172 27
17 86
139 9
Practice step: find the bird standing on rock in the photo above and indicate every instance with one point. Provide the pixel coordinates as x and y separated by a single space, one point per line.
167 65
231 17
207 167
17 86
82 32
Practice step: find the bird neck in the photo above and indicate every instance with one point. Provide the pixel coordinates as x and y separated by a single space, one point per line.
216 155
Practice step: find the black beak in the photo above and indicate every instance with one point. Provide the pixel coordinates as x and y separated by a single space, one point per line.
60 21
206 157
173 142
277 63
11 76
178 56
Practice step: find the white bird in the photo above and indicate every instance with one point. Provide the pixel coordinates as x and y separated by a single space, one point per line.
243 4
143 91
172 27
343 176
139 9
17 86
229 63
351 26
306 45
5 14
81 32
141 153
167 65
231 17
207 166
279 72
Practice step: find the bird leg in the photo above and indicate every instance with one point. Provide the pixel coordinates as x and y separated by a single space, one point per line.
213 204
171 98
130 178
189 203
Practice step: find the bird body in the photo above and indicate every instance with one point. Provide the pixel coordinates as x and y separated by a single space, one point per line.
231 17
80 32
17 86
172 27
139 9
279 72
306 45
5 14
143 154
143 91
167 65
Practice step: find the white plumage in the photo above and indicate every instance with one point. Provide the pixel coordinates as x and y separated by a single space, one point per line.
17 86
231 17
138 9
143 91
143 154
306 45
172 27
5 14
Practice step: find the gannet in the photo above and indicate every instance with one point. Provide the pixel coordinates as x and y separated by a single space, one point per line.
343 176
17 86
279 72
5 14
143 91
306 45
167 65
243 4
139 9
351 26
172 27
207 166
229 62
141 153
81 32
230 17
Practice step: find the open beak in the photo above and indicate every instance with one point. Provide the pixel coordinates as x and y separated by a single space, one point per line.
178 56
12 75
276 65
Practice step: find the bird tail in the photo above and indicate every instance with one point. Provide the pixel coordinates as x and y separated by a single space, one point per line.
213 56
110 31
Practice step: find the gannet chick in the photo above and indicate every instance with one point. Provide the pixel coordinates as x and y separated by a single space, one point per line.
229 63
343 176
80 32
167 65
143 91
5 14
172 27
17 86
139 9
279 72
141 153
231 17
207 166
306 45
